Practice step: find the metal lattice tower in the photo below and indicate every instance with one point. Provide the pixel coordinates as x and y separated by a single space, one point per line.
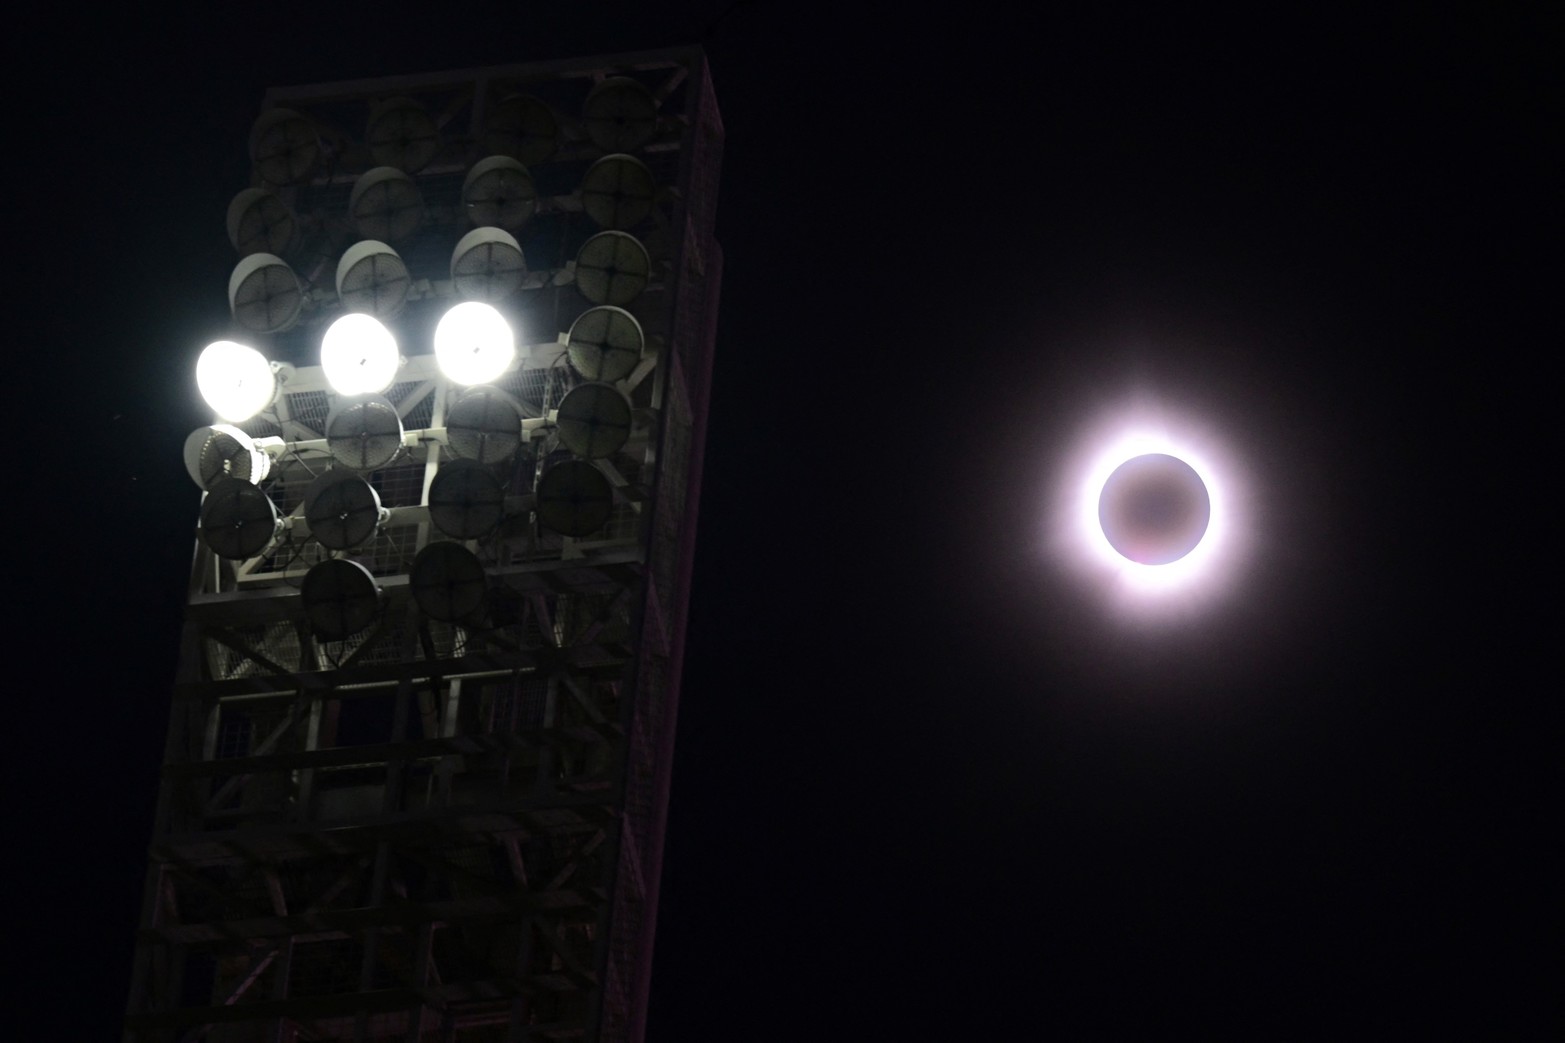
447 829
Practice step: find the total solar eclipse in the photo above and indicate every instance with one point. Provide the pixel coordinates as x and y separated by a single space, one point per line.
1154 509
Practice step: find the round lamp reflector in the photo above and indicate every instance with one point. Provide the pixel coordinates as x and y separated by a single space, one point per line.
238 520
621 114
385 204
612 268
264 294
522 126
342 509
474 343
260 222
484 425
605 343
372 278
224 451
340 598
487 265
236 380
284 147
466 501
594 420
364 433
617 192
499 191
359 355
447 582
574 499
402 134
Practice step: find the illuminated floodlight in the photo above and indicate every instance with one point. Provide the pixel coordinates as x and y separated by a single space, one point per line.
237 381
474 343
359 355
1154 509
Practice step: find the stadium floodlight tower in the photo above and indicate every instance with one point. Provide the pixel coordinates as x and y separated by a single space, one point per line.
418 760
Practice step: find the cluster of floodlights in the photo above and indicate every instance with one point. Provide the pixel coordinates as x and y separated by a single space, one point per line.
341 509
359 356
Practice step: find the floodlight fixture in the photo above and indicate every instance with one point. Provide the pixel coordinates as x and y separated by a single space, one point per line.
235 380
522 126
224 451
612 268
284 146
474 344
594 420
260 222
466 500
264 294
498 191
364 433
621 114
574 499
359 355
342 509
238 520
385 204
605 343
447 582
340 598
372 278
402 134
484 424
618 191
487 265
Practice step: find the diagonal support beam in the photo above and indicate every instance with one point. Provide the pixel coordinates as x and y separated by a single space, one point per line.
296 713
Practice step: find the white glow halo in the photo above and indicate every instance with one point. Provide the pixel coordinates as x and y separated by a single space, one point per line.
474 344
359 355
1142 427
235 380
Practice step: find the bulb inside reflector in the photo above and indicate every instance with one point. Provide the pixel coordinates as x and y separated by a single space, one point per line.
359 355
474 344
236 381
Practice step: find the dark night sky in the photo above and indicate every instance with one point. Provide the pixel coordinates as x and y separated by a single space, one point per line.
925 787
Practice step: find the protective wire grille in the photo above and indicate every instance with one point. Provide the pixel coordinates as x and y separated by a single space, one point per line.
242 727
310 409
402 483
258 645
419 415
538 388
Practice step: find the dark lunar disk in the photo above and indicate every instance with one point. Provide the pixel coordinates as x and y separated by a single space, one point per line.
1154 509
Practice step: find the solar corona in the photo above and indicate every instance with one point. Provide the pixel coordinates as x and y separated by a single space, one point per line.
1149 510
422 731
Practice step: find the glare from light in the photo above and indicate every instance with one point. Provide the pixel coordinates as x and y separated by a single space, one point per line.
1210 569
235 380
359 355
474 344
